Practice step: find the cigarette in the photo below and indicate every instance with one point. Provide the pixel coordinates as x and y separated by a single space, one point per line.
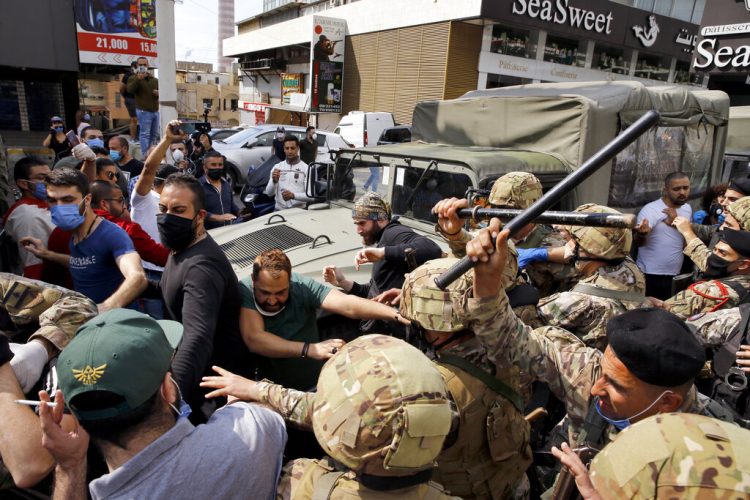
29 402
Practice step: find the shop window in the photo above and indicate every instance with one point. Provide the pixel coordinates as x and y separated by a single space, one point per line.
494 81
652 67
565 51
682 72
612 59
514 42
683 9
662 7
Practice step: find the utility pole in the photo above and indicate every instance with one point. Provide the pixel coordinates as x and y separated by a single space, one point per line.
167 61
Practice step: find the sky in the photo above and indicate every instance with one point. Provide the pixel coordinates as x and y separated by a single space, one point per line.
196 27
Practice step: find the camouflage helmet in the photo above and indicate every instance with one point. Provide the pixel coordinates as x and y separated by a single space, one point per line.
740 210
675 455
516 190
435 309
371 206
381 408
602 242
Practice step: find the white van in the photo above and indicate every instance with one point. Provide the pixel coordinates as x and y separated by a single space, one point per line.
363 129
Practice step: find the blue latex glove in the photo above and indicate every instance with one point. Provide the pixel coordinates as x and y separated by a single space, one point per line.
527 256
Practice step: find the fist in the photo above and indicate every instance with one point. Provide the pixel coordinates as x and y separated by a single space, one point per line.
83 152
332 275
447 213
287 195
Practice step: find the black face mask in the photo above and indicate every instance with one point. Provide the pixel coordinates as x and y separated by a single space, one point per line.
716 267
215 173
175 232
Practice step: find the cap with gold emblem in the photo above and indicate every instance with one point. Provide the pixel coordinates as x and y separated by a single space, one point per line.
121 352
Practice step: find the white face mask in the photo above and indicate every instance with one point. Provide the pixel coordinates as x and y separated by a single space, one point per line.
263 312
177 156
314 136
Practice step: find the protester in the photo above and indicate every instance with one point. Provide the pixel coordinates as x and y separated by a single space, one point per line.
145 88
221 209
57 141
119 152
308 147
277 145
288 183
202 145
130 103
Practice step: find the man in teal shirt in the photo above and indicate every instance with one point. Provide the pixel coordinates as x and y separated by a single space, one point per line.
278 320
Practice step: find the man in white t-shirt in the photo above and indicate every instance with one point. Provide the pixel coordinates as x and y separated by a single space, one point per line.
289 180
659 244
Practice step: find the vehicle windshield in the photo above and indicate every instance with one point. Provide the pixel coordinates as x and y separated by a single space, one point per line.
241 136
407 199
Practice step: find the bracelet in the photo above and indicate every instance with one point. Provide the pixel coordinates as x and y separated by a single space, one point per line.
305 348
440 230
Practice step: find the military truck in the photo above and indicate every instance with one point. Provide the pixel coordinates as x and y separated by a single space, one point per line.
737 151
466 143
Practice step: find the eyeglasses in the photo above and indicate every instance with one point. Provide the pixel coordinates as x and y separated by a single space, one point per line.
121 199
113 175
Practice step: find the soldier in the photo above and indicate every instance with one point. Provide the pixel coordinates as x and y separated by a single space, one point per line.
517 190
668 456
610 282
489 452
647 368
736 216
52 315
728 273
381 413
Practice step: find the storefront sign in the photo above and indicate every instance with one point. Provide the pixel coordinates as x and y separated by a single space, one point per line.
561 12
327 64
252 106
725 43
291 83
116 35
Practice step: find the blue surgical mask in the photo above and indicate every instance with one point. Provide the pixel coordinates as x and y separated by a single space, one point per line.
185 410
625 422
66 217
59 130
40 191
115 155
95 142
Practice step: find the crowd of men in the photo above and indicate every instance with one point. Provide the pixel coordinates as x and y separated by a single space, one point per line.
569 358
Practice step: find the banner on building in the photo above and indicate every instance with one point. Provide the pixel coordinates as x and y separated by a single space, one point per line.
327 64
115 32
291 83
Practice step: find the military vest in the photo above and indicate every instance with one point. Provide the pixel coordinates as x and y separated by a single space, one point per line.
491 451
730 384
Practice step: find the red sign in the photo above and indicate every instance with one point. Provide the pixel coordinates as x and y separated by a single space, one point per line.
100 42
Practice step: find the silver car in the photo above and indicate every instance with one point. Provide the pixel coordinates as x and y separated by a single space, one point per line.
252 146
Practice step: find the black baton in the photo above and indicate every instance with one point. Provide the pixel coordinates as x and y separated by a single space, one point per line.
601 219
600 158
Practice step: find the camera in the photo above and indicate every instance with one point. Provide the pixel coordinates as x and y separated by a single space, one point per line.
715 210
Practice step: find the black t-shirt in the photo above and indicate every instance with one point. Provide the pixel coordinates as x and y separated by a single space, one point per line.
278 149
308 150
61 149
134 167
201 291
126 94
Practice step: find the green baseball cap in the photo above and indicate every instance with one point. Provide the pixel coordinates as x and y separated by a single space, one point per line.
122 352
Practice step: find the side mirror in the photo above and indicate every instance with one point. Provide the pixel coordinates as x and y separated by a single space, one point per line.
317 186
250 144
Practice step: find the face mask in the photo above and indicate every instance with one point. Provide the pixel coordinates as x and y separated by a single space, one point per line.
625 422
67 217
215 173
95 143
185 409
115 155
314 136
279 136
177 156
716 267
175 232
263 312
59 129
40 191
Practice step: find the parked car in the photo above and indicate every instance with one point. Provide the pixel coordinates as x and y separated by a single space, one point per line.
252 146
362 129
219 134
395 135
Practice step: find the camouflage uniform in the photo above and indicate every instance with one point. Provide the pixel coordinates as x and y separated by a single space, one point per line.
707 296
381 412
698 251
581 311
714 328
58 311
551 355
675 455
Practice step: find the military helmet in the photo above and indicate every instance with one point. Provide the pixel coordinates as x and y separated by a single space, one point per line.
516 190
740 210
435 309
371 206
675 455
381 408
602 242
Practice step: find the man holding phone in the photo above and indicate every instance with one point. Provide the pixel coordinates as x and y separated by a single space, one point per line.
145 88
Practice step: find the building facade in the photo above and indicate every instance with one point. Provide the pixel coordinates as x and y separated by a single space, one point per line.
400 52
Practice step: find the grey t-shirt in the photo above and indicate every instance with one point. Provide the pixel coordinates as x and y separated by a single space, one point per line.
237 454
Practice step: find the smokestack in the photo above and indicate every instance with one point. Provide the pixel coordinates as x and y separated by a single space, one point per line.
226 30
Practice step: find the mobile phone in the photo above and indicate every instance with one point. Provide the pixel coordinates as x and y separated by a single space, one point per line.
72 138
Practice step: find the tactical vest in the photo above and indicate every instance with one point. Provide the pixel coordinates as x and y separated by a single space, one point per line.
491 452
730 385
341 485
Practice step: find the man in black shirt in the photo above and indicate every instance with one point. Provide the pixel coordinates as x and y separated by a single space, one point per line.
393 249
200 290
119 151
308 147
130 101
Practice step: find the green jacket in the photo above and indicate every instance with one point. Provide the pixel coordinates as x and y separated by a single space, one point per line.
143 92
